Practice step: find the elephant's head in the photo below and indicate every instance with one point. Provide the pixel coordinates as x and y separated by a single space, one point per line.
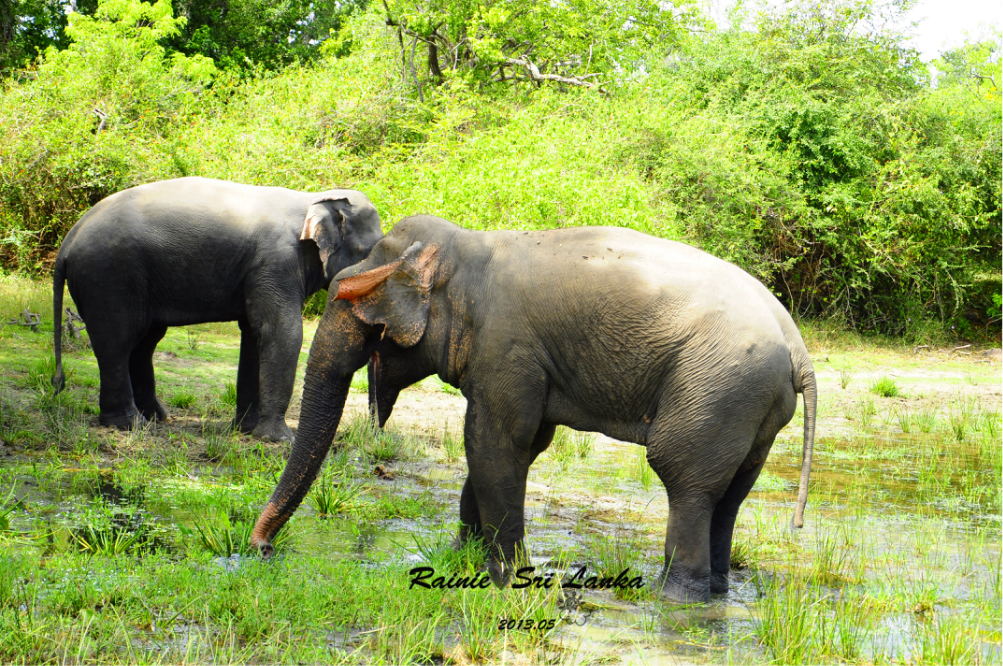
390 307
345 226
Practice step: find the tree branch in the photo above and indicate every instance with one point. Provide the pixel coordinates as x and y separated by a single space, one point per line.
536 75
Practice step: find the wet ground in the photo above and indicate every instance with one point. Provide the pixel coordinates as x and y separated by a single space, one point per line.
909 521
132 548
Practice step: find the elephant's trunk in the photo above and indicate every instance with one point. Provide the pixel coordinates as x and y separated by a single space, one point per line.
323 402
337 352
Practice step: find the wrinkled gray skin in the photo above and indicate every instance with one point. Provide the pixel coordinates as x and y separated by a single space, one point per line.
599 329
196 250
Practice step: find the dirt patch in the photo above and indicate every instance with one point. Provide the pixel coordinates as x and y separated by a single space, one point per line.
421 408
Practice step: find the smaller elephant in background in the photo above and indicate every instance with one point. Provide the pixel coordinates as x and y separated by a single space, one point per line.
195 250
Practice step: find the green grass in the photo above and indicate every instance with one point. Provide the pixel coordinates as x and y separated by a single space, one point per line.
562 449
182 399
452 445
219 533
229 394
331 496
643 471
104 541
360 381
611 555
899 560
884 387
845 377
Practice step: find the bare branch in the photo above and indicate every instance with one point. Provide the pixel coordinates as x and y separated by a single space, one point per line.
536 75
976 75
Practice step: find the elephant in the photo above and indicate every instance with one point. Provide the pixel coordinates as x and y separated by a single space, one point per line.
194 250
600 329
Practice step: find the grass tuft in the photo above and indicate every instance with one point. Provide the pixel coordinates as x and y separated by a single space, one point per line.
183 398
562 448
229 394
452 445
610 555
884 387
330 497
225 530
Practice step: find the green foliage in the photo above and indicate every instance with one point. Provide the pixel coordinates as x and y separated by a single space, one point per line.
258 34
812 151
886 208
29 27
69 135
330 496
496 41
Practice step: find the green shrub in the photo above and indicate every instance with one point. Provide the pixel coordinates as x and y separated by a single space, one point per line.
812 154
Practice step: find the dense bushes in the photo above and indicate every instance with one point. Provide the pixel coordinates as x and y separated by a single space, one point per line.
814 154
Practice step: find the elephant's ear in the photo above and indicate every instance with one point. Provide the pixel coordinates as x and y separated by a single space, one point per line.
396 294
324 225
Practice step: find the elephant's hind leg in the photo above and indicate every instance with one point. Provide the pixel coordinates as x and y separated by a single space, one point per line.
144 386
723 526
112 344
696 464
248 369
726 511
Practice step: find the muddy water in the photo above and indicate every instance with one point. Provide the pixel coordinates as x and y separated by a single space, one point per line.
914 517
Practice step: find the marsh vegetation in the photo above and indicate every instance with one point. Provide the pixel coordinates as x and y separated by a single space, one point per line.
133 547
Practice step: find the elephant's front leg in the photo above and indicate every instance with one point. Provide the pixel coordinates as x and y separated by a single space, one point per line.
470 515
499 453
280 337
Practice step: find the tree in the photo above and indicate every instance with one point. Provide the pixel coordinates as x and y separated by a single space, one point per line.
28 27
249 34
573 42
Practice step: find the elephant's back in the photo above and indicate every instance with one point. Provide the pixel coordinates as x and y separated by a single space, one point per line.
591 270
186 221
621 315
194 206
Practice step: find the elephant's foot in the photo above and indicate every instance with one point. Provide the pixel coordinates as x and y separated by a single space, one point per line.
153 411
500 572
273 430
718 582
503 561
674 588
124 421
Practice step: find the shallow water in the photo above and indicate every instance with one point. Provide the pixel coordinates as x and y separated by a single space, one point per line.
909 522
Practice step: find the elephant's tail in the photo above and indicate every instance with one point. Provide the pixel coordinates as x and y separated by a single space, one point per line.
805 377
58 280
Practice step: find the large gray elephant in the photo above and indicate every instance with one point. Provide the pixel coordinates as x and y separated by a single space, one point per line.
599 329
194 250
